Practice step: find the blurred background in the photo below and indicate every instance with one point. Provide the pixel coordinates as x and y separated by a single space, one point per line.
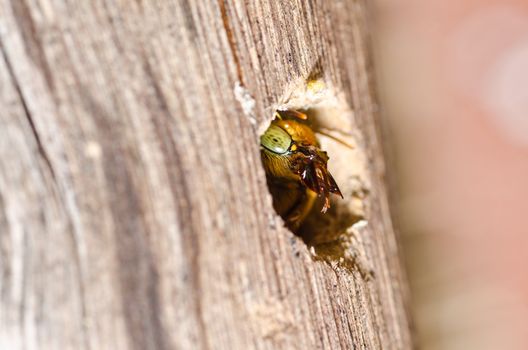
453 80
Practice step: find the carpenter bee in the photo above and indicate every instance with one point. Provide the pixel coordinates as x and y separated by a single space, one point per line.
296 168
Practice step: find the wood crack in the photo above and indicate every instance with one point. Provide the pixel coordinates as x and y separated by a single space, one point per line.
27 113
231 39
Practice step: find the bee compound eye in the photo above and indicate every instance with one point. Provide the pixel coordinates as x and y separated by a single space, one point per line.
276 140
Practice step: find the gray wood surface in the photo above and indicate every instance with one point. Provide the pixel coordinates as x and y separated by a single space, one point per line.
134 212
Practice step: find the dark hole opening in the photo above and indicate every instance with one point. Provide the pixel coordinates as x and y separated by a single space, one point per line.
330 233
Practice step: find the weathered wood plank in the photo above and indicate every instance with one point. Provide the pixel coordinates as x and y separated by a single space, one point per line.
134 211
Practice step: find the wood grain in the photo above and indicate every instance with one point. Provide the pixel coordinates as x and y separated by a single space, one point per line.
134 212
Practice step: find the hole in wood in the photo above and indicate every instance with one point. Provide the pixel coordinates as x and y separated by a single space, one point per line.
312 135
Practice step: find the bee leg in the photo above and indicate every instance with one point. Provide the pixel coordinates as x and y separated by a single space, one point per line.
297 215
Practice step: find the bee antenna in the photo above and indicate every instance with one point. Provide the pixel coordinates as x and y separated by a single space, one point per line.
326 133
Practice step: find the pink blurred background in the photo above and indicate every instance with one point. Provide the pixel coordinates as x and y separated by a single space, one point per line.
453 80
